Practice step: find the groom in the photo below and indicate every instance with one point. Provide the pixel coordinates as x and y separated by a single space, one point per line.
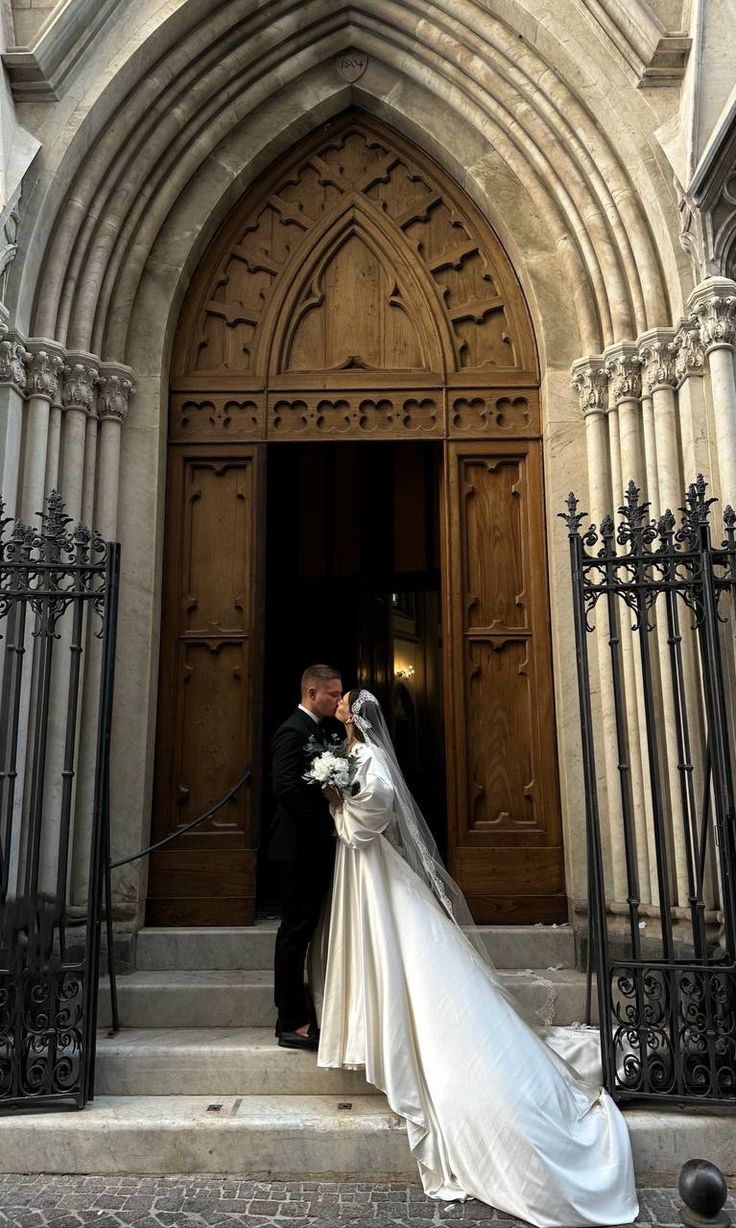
302 840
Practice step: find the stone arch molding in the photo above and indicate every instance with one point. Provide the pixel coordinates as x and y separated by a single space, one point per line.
522 104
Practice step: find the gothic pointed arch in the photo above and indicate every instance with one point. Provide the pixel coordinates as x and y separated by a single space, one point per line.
355 293
354 265
360 302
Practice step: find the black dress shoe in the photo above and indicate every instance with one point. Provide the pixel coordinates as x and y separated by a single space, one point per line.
295 1040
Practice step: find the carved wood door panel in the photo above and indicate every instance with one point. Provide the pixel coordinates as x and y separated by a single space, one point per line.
505 835
210 686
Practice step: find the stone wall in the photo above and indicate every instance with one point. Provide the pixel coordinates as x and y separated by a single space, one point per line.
544 115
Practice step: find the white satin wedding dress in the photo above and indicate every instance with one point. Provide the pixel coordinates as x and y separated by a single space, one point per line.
491 1111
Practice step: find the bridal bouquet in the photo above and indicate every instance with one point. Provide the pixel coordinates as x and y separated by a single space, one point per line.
333 768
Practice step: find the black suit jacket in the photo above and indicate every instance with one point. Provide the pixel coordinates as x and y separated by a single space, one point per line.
302 826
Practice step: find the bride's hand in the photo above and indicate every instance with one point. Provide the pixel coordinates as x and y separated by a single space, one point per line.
332 795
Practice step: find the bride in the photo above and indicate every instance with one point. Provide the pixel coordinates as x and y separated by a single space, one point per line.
410 995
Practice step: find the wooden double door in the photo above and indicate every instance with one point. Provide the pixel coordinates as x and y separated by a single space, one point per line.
357 315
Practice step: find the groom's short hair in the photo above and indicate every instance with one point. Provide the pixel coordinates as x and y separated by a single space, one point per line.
315 675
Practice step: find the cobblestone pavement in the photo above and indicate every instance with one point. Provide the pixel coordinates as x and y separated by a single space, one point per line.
209 1202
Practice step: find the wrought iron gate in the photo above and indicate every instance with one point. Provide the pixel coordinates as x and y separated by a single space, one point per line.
58 608
660 598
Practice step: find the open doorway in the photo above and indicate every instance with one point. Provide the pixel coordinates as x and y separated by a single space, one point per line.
353 580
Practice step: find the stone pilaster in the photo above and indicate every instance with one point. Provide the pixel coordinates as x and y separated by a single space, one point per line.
688 350
79 387
656 353
623 368
113 400
589 381
116 388
659 379
44 368
712 307
13 359
79 398
691 405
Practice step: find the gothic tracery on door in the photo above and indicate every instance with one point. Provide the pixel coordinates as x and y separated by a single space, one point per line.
355 293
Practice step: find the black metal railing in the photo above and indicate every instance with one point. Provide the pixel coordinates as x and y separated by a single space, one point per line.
145 852
58 603
660 598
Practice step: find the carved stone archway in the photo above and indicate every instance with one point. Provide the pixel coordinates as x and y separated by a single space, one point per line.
356 293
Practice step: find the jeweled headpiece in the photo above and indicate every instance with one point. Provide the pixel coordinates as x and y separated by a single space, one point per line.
355 708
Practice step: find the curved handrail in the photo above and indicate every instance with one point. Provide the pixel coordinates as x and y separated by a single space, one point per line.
180 831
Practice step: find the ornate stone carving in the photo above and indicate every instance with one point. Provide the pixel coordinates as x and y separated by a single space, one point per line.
13 359
622 365
590 382
43 370
79 386
9 222
688 351
116 387
657 358
713 308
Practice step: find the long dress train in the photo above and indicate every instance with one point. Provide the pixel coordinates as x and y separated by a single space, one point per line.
492 1112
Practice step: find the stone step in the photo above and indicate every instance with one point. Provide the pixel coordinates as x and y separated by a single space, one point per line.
157 950
283 1137
248 1062
234 1061
244 998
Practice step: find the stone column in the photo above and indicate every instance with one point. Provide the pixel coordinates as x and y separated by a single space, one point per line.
590 383
44 369
116 387
713 307
657 353
13 357
116 390
79 396
689 368
622 366
657 358
44 361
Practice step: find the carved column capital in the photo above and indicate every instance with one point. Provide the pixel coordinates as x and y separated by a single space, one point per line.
657 358
13 359
688 350
712 307
80 379
115 390
622 365
44 369
589 380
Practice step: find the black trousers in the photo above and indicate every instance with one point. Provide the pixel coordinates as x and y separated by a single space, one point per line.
303 889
